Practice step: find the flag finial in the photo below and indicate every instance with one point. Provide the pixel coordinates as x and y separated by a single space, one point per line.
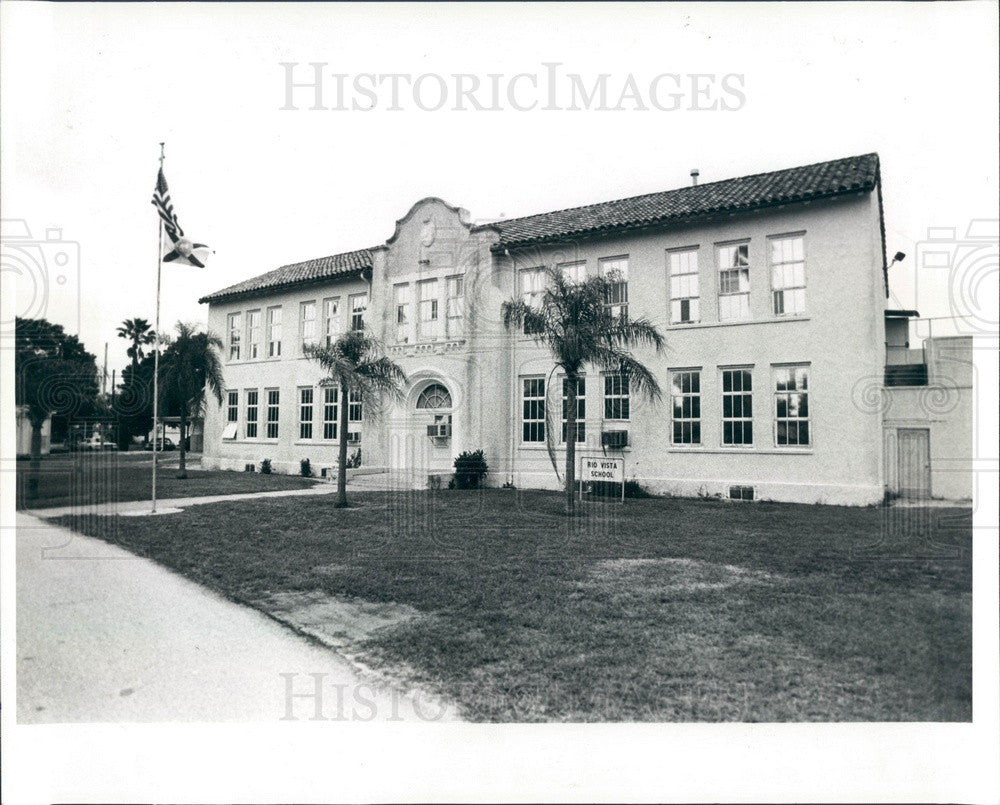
161 155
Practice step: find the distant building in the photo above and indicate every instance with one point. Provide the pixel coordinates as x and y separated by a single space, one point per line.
769 289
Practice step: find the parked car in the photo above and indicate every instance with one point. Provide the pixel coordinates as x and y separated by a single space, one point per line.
95 442
163 444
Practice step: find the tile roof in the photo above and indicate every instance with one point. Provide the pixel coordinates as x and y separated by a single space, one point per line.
821 180
320 268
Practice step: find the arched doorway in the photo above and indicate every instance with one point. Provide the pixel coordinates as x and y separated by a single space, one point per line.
422 434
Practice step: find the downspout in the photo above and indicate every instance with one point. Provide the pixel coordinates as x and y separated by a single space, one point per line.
512 431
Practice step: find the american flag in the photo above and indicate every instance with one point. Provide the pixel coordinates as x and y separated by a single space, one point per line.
183 251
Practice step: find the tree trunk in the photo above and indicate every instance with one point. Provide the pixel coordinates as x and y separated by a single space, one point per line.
35 465
571 383
342 459
182 466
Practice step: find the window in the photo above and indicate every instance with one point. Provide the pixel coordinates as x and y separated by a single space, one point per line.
273 397
574 273
616 399
791 405
430 325
788 275
434 396
685 403
581 409
359 304
354 408
307 313
331 320
235 327
684 295
274 332
615 269
533 409
232 414
737 407
251 418
253 345
401 294
532 287
330 412
455 305
305 413
734 282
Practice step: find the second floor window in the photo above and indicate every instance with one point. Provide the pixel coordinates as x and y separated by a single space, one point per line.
274 332
737 407
429 321
455 310
273 409
616 399
531 282
251 417
734 282
307 312
533 409
331 320
359 304
684 296
615 270
401 294
235 332
685 404
788 275
253 334
574 273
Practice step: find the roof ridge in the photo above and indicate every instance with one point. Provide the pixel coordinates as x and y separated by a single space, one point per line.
500 222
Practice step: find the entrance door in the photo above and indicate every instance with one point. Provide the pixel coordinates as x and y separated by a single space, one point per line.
914 462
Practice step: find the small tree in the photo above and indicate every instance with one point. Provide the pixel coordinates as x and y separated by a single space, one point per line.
191 365
139 333
354 362
54 373
576 323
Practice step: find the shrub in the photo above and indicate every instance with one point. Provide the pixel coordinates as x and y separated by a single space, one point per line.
305 468
355 460
265 466
470 469
609 489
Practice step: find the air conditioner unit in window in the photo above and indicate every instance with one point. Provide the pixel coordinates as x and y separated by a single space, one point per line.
439 430
615 439
354 437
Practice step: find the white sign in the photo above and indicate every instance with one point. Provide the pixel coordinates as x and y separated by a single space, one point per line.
602 469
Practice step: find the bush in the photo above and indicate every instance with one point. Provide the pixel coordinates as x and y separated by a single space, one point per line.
355 460
265 466
305 468
609 489
470 469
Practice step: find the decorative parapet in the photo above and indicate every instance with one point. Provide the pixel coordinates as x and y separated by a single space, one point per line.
426 348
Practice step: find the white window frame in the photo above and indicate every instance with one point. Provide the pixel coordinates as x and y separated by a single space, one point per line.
254 332
573 272
736 399
693 418
531 288
685 285
581 409
787 282
537 400
331 410
331 320
359 306
251 419
272 406
307 325
275 314
306 413
455 304
778 373
733 305
618 303
620 397
235 324
428 310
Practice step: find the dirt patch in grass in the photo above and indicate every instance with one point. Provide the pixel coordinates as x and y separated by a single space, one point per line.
677 574
334 620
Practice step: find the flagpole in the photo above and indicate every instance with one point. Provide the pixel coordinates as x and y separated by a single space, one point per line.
156 351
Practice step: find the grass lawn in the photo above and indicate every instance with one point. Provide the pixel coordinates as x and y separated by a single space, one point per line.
79 479
659 610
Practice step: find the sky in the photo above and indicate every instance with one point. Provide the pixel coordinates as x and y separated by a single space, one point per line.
90 90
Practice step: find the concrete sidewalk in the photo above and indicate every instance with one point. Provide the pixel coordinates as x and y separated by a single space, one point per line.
104 635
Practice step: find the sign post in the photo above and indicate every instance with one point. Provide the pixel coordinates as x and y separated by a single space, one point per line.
602 468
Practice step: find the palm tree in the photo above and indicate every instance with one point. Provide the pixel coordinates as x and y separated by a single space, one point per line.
141 334
576 323
354 362
191 365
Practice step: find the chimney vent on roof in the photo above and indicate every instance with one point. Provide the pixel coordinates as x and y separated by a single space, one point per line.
694 176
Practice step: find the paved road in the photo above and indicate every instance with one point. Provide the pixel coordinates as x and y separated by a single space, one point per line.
103 635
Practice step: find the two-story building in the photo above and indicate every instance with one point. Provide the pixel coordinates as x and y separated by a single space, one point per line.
769 289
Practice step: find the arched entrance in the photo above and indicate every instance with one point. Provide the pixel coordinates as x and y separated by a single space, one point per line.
422 435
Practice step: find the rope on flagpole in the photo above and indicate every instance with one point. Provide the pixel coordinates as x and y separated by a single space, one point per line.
156 352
